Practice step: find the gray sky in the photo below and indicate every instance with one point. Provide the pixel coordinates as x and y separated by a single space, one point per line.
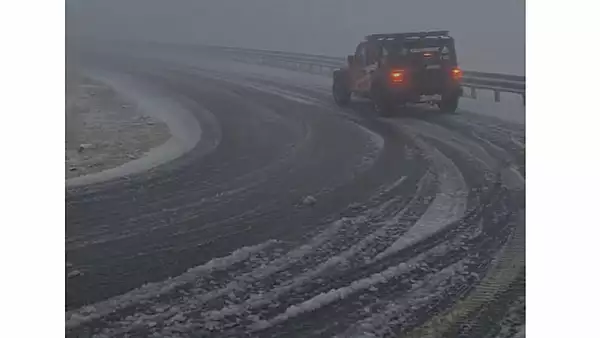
490 34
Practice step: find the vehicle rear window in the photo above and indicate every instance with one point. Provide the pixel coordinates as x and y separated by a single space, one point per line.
422 52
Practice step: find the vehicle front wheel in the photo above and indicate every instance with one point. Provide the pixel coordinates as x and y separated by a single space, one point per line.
449 104
341 93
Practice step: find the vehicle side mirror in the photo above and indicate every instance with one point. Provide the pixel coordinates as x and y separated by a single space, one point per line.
350 60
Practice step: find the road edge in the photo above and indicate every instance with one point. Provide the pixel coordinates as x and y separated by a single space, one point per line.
184 128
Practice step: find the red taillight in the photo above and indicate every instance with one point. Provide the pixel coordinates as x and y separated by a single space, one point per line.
397 76
457 73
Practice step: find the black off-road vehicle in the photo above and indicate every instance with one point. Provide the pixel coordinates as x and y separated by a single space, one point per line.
396 69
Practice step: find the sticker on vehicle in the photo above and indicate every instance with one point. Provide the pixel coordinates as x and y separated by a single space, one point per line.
426 49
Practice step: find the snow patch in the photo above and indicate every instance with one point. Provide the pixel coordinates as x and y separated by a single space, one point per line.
183 126
448 206
462 144
99 310
420 293
368 283
241 283
257 300
334 295
74 273
309 201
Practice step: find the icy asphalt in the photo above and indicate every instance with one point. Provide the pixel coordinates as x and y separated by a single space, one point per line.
407 214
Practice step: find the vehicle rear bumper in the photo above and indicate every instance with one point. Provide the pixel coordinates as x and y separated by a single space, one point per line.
408 94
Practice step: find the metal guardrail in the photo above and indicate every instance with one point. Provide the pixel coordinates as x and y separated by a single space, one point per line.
322 64
472 80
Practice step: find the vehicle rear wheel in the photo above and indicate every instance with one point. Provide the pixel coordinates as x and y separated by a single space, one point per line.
449 104
341 93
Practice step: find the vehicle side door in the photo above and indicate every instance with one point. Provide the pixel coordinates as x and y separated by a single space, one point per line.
374 54
357 69
367 57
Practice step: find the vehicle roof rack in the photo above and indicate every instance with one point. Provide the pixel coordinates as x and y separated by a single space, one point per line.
411 35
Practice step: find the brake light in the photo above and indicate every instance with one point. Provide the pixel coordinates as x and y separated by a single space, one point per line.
427 55
397 76
457 73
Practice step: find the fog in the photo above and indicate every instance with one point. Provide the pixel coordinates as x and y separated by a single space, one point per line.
490 34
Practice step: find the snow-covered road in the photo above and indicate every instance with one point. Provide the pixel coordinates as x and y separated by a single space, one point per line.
409 214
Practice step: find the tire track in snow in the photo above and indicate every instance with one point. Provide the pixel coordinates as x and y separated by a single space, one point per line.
241 283
96 311
420 294
502 273
481 248
285 286
371 284
184 326
340 293
191 304
345 311
448 206
492 219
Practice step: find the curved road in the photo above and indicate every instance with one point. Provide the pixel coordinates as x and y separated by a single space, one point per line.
409 216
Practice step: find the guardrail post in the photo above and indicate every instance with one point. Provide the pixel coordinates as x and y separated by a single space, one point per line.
473 93
496 96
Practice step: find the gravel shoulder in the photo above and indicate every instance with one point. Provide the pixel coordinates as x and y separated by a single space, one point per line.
103 128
